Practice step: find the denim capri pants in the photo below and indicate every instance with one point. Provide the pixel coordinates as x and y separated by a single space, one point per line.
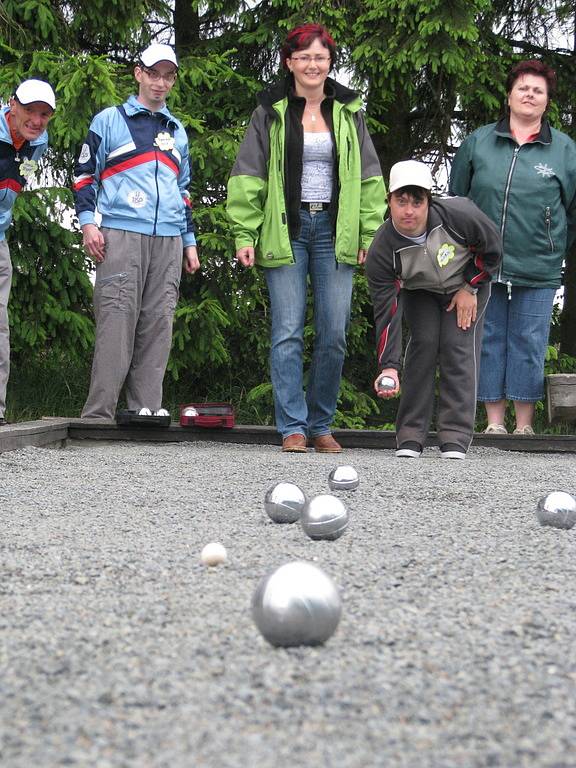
516 331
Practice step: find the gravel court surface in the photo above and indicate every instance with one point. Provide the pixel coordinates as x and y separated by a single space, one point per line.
119 648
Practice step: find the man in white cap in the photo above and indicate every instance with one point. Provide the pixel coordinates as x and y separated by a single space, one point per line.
134 168
23 141
431 261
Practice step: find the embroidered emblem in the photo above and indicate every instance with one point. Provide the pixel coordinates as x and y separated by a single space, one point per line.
28 168
136 198
164 141
544 170
445 254
84 154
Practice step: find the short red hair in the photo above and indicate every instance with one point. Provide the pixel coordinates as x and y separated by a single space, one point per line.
302 37
532 67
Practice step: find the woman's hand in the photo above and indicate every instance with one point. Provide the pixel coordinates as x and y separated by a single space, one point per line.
246 256
466 306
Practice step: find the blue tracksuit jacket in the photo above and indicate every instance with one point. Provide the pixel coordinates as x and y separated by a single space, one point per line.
134 168
11 163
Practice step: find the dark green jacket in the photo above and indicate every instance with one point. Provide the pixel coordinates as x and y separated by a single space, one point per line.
258 188
529 191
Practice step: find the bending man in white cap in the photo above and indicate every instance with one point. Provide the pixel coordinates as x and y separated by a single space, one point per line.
431 261
23 141
134 168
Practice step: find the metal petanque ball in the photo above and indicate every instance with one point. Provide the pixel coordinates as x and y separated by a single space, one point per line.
557 509
283 502
344 478
324 517
296 604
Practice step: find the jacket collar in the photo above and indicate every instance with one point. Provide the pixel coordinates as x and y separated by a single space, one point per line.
284 88
503 129
133 107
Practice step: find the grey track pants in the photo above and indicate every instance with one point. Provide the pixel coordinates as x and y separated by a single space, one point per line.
135 296
5 283
436 340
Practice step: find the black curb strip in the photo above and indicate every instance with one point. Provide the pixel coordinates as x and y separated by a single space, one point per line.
54 432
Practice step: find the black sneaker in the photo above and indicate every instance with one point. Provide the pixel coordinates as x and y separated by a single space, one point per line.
452 451
409 450
3 422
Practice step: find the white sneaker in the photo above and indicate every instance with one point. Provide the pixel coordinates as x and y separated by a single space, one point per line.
409 450
453 454
526 430
495 429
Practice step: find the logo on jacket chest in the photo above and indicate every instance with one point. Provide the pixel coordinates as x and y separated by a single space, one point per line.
164 141
445 254
544 170
27 168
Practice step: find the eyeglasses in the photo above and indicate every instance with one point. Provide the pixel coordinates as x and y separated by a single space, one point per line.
154 75
308 59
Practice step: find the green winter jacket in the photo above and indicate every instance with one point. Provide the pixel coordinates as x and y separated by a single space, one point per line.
257 187
529 191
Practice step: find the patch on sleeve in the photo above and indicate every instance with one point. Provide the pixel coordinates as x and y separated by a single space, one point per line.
84 154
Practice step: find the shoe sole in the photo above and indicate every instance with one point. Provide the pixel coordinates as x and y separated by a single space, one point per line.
328 450
408 453
296 449
453 455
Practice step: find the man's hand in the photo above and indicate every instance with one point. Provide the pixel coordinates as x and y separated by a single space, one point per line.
93 241
391 373
466 305
362 255
191 261
246 256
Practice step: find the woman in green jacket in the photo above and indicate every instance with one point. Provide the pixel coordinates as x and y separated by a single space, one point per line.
522 174
305 198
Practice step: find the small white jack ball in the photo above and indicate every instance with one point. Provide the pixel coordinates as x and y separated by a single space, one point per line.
213 554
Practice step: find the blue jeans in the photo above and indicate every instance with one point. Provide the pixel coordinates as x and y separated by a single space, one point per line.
314 255
514 346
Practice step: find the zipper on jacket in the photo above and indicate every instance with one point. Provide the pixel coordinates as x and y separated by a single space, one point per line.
509 289
548 220
505 206
157 193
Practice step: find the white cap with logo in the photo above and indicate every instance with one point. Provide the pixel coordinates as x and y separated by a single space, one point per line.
35 90
158 52
410 173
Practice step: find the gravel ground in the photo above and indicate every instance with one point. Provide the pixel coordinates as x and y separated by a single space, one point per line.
118 648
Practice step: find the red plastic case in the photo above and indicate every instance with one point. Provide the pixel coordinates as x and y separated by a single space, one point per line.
211 415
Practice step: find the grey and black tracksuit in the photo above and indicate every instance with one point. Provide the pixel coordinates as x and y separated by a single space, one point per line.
462 250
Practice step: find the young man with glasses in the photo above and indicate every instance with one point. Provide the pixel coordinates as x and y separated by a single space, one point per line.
23 141
134 168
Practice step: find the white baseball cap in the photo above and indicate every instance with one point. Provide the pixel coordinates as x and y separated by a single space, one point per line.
35 90
410 173
158 52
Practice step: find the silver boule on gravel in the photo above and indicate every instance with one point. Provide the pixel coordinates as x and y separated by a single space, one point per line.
284 502
557 509
296 604
324 517
344 478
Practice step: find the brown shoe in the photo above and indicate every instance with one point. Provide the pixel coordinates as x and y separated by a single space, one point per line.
326 444
295 443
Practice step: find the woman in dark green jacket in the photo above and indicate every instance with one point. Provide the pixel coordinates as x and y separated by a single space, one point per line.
522 174
305 198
